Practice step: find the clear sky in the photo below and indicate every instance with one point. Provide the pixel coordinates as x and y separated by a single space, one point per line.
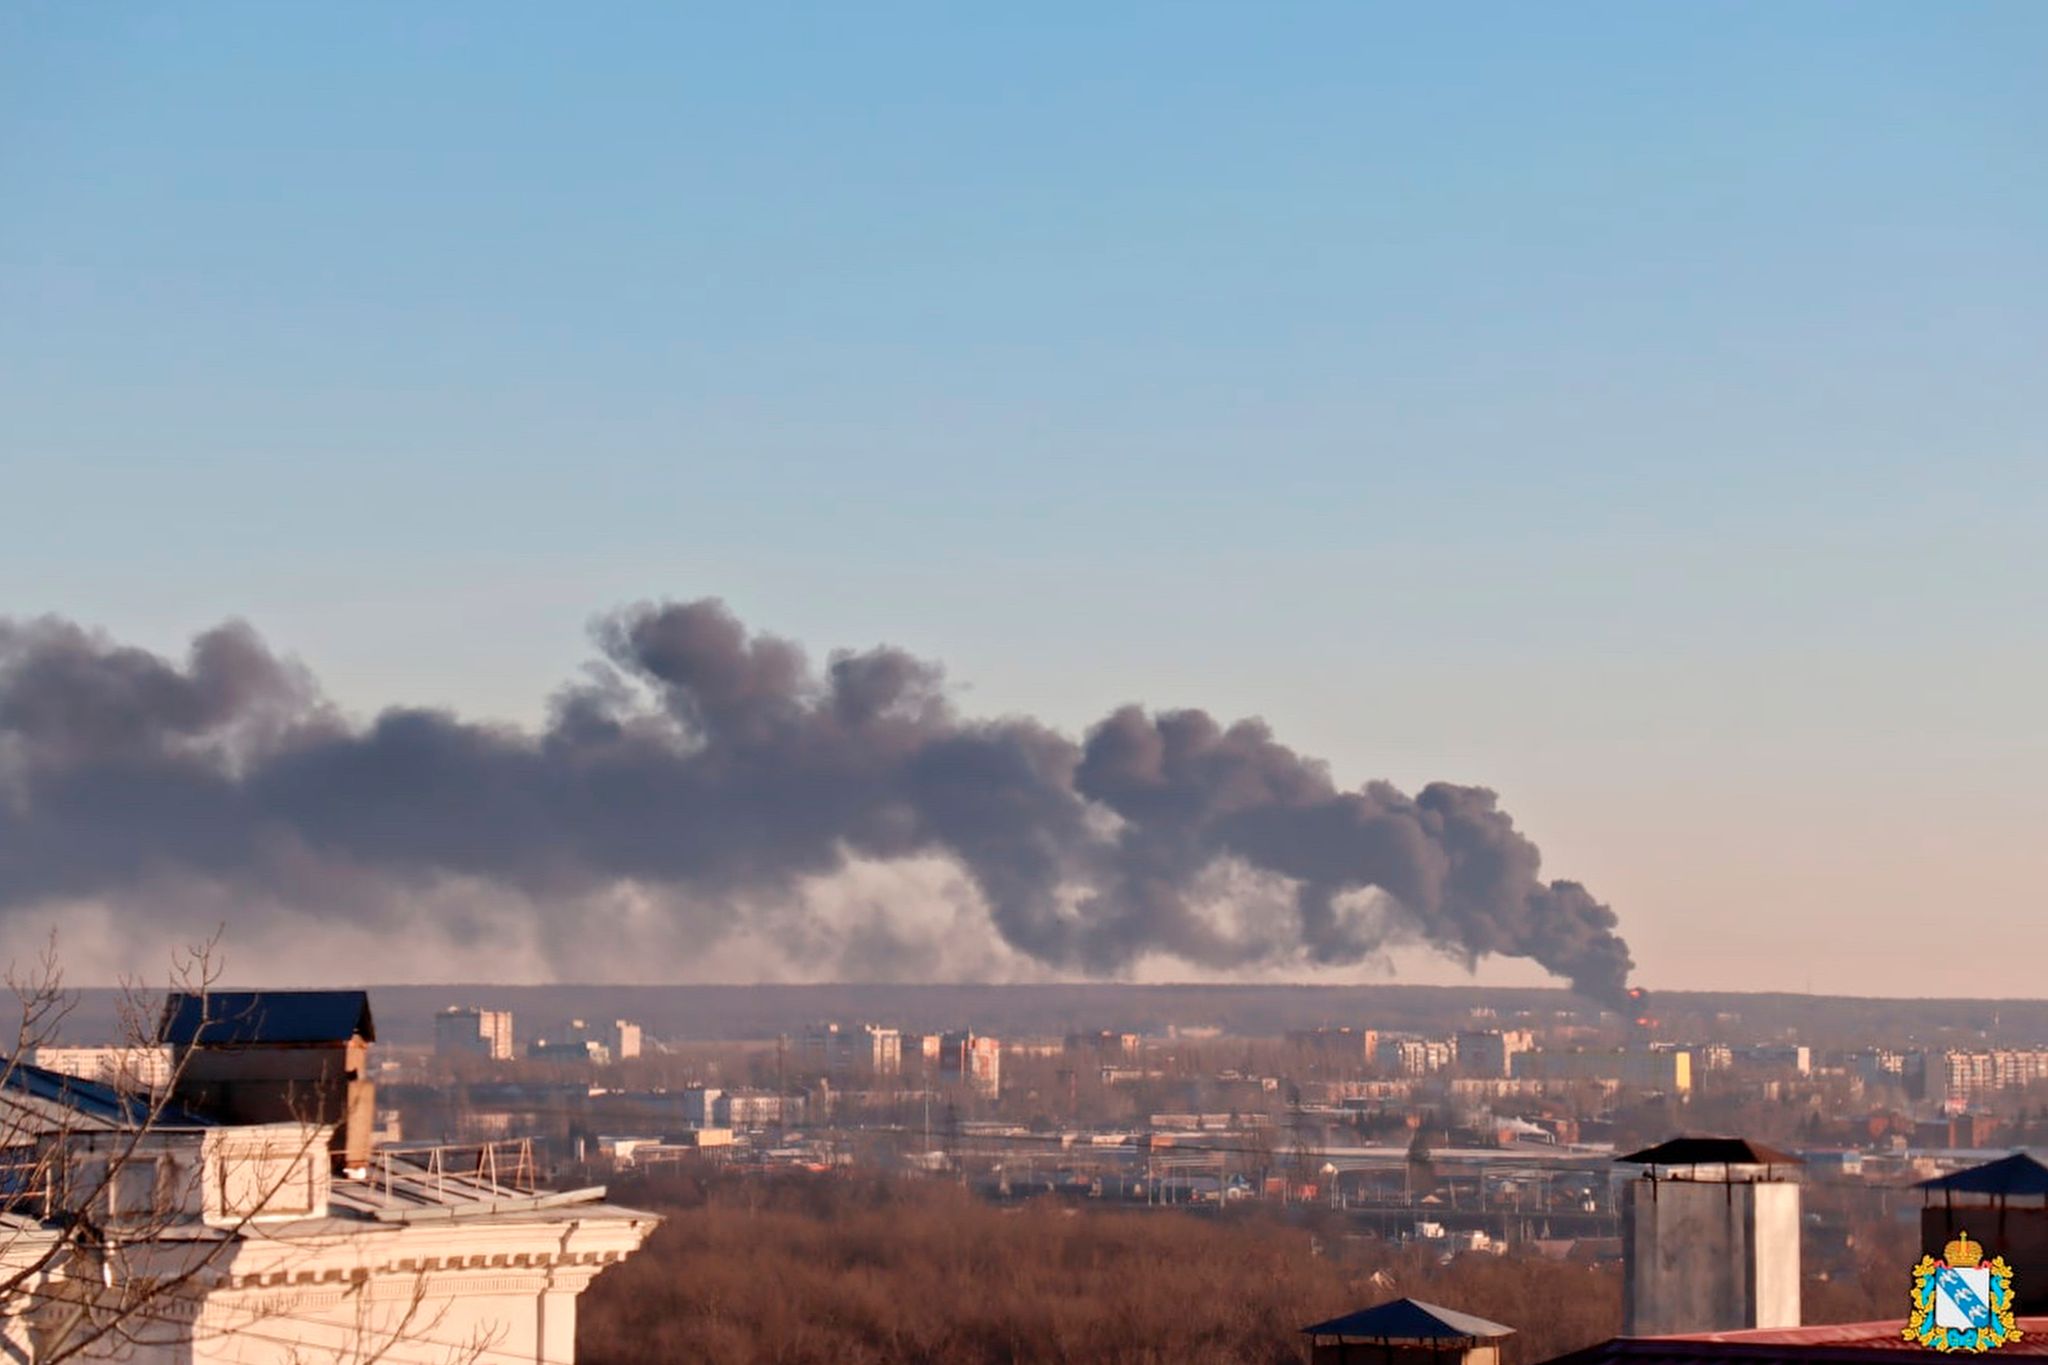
1640 409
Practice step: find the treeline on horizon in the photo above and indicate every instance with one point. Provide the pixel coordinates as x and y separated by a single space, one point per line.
861 1270
405 1013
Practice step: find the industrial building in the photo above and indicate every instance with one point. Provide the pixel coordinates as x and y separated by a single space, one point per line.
577 1040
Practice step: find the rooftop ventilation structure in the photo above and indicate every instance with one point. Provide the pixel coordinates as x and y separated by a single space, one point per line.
247 1057
1710 1237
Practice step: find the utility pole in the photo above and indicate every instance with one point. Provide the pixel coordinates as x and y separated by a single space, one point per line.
781 1087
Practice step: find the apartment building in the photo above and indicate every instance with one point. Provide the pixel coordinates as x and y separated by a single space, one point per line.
466 1031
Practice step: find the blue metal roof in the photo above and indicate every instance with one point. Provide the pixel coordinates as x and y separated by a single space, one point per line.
94 1099
2015 1174
234 1018
1410 1320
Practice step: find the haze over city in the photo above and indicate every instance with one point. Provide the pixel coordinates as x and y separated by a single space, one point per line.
910 684
1631 412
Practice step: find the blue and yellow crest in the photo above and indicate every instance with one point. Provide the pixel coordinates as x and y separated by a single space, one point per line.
1961 1303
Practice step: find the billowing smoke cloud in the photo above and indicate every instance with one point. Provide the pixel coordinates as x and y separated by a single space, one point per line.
709 771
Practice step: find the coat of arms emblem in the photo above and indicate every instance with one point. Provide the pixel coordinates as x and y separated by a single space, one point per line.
1961 1302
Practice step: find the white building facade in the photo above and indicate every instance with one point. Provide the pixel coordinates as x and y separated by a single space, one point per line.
135 1229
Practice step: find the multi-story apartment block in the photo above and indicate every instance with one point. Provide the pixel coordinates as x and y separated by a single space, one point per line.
1491 1052
758 1109
972 1059
1344 1046
1795 1058
1416 1056
126 1068
1965 1077
1668 1070
466 1031
623 1039
857 1050
1712 1056
1106 1043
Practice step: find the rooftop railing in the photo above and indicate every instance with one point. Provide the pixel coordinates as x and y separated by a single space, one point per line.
456 1170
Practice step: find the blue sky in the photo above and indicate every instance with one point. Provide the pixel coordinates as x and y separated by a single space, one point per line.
1635 408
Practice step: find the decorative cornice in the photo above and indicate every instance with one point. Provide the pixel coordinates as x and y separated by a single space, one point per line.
413 1266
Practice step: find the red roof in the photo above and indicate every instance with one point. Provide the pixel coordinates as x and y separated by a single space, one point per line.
1839 1341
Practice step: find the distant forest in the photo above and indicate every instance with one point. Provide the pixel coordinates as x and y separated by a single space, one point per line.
405 1013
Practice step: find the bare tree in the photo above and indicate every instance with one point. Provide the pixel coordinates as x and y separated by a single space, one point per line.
118 1208
1255 1153
1302 1166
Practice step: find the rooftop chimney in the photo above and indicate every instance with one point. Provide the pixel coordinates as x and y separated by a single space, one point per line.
1710 1237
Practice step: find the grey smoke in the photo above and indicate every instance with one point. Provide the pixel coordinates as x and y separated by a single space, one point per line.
719 766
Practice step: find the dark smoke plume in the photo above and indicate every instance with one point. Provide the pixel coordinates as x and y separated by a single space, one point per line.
718 769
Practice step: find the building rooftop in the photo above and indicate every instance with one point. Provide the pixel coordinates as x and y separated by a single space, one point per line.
73 1103
1843 1341
2018 1174
1409 1320
1710 1151
414 1197
233 1018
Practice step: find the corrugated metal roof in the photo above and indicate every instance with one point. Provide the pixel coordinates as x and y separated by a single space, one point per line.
1410 1320
1710 1151
414 1199
1844 1341
2015 1174
94 1102
234 1018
